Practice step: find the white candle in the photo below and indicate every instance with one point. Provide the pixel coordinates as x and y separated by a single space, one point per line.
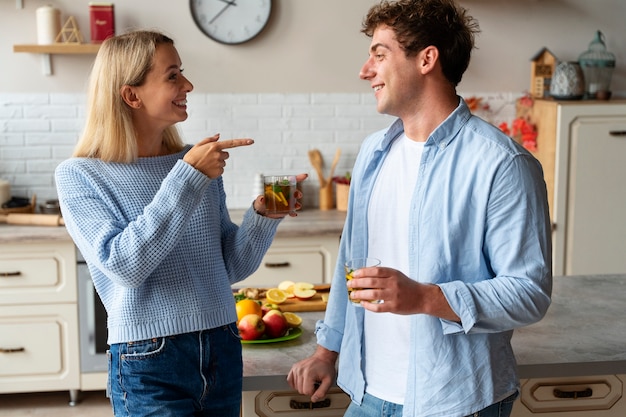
48 24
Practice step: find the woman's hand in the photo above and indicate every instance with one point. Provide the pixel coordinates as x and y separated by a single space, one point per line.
208 156
259 202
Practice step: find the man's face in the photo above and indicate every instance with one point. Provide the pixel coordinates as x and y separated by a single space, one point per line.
396 79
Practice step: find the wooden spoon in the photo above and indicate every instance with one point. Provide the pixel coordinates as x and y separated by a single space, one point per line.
317 161
335 161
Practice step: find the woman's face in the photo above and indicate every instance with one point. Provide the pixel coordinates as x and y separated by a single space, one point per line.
163 94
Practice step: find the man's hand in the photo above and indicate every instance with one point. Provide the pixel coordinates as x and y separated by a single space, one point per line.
400 294
314 375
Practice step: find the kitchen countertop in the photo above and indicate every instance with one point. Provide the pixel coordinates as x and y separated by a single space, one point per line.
582 334
309 222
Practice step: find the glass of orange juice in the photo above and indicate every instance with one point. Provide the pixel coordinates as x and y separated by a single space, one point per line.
354 264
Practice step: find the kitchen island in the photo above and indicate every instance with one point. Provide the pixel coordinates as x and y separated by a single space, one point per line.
582 337
582 334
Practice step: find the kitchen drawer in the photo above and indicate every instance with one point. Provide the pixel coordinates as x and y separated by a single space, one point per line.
37 347
310 259
292 404
37 273
597 396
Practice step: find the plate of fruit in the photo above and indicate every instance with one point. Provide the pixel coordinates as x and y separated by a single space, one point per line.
265 323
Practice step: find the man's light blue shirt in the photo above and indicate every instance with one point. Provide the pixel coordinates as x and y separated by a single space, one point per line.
480 230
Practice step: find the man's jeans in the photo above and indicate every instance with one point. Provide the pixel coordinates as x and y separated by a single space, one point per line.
375 407
193 374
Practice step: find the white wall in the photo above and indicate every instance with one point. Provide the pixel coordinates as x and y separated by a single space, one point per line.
316 46
294 88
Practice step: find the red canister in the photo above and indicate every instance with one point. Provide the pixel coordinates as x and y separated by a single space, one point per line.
102 19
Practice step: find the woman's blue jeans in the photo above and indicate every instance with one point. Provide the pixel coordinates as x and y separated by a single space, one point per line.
192 374
375 407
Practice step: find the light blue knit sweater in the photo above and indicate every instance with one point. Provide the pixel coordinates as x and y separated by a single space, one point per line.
159 243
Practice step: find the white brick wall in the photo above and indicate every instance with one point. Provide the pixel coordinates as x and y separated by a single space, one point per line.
38 131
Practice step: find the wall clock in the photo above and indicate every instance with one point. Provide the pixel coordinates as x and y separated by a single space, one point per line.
231 22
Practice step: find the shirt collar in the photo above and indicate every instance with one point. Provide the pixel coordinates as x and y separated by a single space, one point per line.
442 135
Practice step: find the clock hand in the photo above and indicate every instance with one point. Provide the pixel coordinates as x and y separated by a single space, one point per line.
228 4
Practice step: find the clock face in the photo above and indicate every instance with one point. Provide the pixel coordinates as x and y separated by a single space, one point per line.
231 21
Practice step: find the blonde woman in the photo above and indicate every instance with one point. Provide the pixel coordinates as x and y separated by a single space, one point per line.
149 215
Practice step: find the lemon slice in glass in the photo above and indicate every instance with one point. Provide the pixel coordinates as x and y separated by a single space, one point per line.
276 296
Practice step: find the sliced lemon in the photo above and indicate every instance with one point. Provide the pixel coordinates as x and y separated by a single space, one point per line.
293 319
287 287
276 296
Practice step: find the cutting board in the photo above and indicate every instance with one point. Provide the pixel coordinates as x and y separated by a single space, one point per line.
314 304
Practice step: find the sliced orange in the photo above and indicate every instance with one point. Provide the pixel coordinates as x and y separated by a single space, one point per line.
293 319
276 296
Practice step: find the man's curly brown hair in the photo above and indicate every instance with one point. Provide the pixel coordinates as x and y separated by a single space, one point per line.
421 23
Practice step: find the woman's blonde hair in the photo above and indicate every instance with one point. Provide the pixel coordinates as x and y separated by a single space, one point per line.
109 132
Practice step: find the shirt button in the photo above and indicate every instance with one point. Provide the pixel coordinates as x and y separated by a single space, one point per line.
442 145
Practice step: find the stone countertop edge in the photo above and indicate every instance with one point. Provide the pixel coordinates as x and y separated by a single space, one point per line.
308 222
581 335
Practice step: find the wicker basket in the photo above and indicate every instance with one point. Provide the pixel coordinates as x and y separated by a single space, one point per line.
26 209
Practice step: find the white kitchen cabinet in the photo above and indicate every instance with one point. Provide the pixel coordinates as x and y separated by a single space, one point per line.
308 259
38 318
582 148
597 396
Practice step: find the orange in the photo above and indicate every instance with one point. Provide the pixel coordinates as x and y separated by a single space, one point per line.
248 306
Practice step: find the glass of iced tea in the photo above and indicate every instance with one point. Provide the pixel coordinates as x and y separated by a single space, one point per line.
279 191
354 264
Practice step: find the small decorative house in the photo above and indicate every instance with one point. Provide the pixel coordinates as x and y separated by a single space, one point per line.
541 69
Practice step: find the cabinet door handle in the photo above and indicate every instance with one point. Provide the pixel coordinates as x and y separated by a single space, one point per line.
309 405
585 393
12 350
620 133
10 274
277 264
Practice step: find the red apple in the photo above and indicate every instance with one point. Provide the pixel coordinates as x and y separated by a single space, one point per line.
276 324
251 327
267 307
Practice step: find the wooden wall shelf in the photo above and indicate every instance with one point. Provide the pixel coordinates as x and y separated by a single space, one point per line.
57 49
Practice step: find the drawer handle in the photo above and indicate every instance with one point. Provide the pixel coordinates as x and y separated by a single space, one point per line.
12 350
620 133
10 274
585 393
309 405
277 264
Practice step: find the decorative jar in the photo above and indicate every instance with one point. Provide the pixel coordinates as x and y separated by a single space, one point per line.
597 65
568 81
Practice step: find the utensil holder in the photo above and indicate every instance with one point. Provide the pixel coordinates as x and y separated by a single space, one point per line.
327 201
342 191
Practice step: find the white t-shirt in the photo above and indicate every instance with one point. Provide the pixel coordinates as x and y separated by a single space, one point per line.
387 335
